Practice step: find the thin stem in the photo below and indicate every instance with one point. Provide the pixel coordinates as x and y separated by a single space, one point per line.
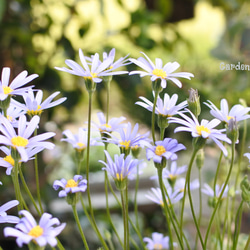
37 180
135 199
125 221
248 243
159 171
28 191
17 186
221 194
217 171
237 229
59 245
185 189
87 174
79 226
153 116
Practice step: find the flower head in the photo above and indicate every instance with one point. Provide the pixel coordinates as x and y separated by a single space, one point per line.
164 107
180 184
112 125
16 86
164 149
34 104
79 141
4 218
156 196
205 129
237 112
157 242
43 233
22 140
158 71
210 192
121 168
75 185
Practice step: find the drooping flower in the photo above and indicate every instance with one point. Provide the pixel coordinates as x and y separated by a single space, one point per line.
121 169
158 71
4 217
156 196
129 138
75 185
237 112
164 149
43 233
16 86
95 72
157 242
79 141
205 129
8 162
165 107
112 125
34 105
22 140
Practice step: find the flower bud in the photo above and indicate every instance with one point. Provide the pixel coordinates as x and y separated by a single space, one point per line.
194 102
245 188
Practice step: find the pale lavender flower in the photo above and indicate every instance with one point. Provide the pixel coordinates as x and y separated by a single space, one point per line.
113 64
79 141
112 125
156 196
164 149
121 168
165 107
75 185
16 86
180 184
95 72
34 105
21 140
28 230
158 71
237 112
4 217
210 192
157 242
205 129
8 162
129 138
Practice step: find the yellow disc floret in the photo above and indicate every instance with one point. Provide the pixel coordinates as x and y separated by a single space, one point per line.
36 231
160 150
160 73
158 246
9 159
71 183
200 128
7 90
125 143
19 141
38 111
81 146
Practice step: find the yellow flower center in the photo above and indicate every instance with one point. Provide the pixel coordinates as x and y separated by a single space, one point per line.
107 126
71 183
9 159
160 150
158 246
160 73
36 231
119 177
93 75
9 118
38 111
19 141
200 128
125 144
229 117
81 146
7 90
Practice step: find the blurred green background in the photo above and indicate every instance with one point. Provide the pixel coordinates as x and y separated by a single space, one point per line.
39 35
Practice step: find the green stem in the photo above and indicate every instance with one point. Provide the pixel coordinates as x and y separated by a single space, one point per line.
153 116
125 221
159 171
248 243
79 226
237 225
185 189
217 171
28 191
59 245
192 206
221 194
17 186
135 199
87 174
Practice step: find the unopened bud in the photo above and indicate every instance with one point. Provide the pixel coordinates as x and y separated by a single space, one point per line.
245 188
194 102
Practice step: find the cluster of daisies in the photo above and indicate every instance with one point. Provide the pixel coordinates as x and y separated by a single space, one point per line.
20 142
